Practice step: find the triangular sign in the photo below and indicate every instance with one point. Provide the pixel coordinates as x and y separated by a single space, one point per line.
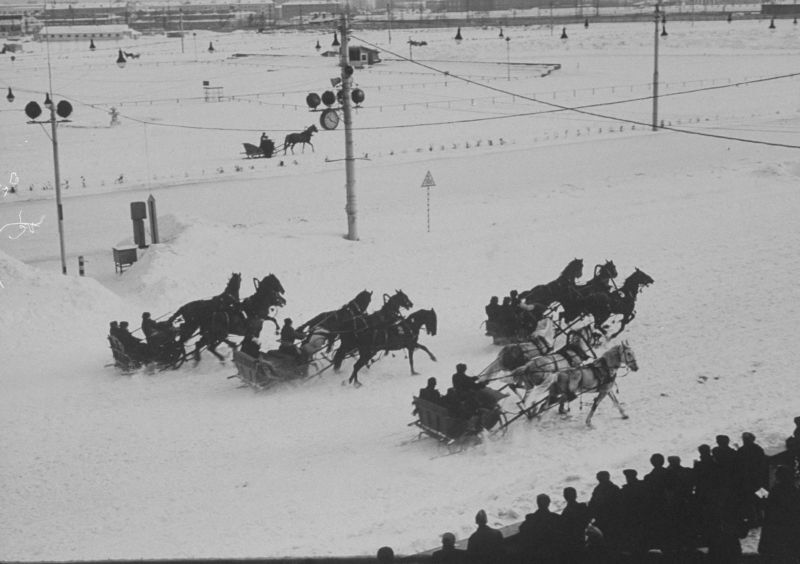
428 181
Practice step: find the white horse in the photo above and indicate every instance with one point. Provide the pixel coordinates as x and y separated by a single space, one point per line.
599 376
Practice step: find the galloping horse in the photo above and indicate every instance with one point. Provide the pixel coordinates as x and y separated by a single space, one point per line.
540 369
581 298
195 312
325 327
389 314
599 376
303 137
554 291
403 335
623 301
245 319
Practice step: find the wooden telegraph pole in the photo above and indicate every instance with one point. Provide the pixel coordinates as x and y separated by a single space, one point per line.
349 161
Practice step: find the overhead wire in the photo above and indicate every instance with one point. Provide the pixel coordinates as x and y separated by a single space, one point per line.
582 109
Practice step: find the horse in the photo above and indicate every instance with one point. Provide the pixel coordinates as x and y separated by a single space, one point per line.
194 312
324 327
244 320
584 297
599 376
540 369
389 314
303 137
545 294
623 301
402 335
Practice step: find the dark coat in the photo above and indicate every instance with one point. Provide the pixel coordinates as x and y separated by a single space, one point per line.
485 546
780 533
574 517
542 536
449 556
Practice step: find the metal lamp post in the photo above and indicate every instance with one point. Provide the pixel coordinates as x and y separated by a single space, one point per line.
63 109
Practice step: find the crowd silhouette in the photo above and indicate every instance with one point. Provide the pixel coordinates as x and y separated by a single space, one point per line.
673 513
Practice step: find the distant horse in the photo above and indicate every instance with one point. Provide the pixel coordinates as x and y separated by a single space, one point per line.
623 301
539 369
387 315
244 320
599 376
194 312
303 137
324 328
580 298
554 291
401 335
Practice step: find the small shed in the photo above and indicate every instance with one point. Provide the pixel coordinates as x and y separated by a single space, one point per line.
360 56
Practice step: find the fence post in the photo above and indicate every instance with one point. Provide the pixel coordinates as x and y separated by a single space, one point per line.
80 265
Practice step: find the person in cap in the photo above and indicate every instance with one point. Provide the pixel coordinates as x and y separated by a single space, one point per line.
429 392
485 545
449 554
633 511
604 506
542 534
132 345
113 329
574 518
149 326
288 337
779 540
385 555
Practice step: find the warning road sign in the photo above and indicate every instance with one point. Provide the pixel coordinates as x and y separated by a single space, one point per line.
428 182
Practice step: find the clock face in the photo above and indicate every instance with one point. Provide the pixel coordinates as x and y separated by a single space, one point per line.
329 119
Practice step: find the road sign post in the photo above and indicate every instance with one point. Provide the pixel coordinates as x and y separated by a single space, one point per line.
427 183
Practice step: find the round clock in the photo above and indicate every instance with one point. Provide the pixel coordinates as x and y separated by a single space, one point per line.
329 119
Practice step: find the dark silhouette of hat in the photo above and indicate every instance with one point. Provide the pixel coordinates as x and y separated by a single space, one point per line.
630 472
480 517
461 367
723 439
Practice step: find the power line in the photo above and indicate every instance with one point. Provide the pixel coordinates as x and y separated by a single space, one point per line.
582 109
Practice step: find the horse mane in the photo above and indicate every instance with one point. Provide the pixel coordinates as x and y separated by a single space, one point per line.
572 264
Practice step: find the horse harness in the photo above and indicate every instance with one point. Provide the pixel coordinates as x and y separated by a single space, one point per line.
603 372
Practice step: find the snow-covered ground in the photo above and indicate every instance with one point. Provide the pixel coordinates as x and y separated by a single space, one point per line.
95 464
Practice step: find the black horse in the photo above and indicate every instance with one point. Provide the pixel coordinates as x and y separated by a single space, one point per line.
591 298
403 335
554 291
195 312
303 137
389 314
325 327
623 301
243 319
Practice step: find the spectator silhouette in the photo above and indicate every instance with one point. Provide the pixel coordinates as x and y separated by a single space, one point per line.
633 506
574 518
385 555
753 474
679 482
604 507
655 483
449 554
541 534
725 458
485 545
780 533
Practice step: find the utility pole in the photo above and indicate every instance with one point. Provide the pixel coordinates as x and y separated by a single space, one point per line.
58 186
349 161
180 11
656 18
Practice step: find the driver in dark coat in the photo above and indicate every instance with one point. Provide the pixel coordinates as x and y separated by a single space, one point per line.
288 337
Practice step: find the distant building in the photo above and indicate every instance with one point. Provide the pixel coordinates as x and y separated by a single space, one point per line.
11 24
360 55
83 32
308 10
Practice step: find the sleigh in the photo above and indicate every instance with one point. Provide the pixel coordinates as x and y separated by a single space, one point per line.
457 433
256 151
270 369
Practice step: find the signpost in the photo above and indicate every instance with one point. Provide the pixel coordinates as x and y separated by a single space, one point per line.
427 183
